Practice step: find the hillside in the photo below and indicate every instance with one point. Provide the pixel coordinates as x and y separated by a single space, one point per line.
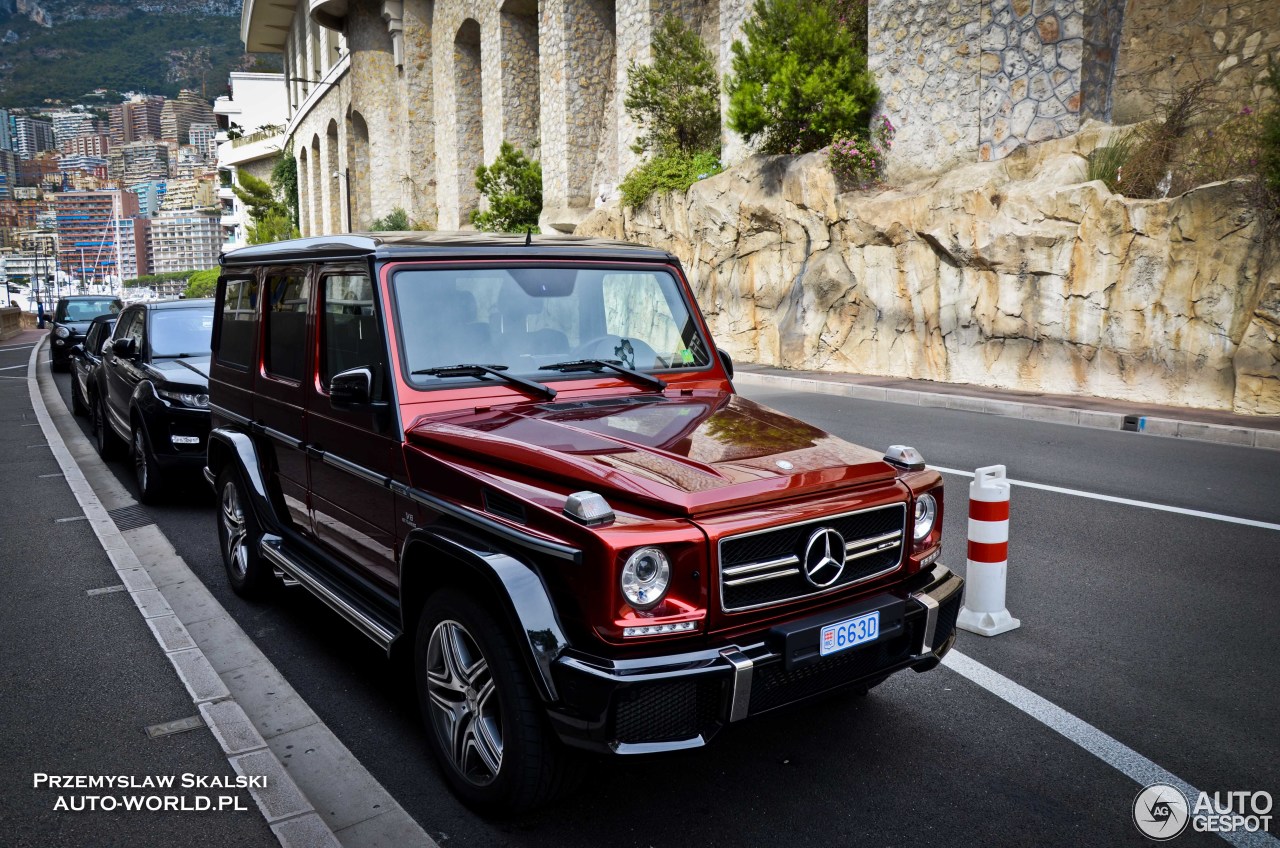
62 49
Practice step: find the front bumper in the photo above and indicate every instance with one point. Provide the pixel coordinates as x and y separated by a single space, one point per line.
680 701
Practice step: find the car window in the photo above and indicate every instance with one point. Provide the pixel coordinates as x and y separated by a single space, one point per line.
181 332
350 336
135 329
286 325
86 310
237 335
525 318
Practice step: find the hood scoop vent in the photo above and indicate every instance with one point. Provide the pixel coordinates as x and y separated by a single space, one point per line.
597 403
504 506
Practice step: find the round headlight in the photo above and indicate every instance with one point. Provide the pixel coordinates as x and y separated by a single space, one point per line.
645 578
926 513
62 332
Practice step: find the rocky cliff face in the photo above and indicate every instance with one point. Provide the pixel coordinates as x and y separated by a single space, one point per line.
1017 274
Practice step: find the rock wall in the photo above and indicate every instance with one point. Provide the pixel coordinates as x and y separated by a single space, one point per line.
1015 274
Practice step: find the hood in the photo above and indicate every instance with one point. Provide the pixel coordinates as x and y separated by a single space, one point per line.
189 371
689 453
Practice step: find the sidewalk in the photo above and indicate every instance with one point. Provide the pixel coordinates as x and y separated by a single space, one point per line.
83 676
1261 431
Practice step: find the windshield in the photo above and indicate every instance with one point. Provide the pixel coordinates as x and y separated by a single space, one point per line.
521 319
86 310
181 332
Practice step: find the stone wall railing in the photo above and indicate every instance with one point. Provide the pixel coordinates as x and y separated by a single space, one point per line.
10 322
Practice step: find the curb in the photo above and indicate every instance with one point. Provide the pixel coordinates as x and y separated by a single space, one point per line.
284 807
1196 431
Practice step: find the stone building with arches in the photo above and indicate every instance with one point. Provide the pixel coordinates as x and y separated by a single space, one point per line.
394 103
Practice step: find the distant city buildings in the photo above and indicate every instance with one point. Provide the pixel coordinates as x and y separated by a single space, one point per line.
136 120
30 135
184 241
177 116
100 234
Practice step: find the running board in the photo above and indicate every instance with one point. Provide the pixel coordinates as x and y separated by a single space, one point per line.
358 614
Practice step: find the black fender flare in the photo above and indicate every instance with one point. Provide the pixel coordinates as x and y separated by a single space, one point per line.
226 447
523 596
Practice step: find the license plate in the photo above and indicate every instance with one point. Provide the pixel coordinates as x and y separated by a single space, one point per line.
849 633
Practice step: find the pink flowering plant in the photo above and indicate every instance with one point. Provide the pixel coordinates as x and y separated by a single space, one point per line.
859 162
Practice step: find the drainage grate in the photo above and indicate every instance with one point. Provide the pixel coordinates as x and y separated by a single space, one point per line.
130 517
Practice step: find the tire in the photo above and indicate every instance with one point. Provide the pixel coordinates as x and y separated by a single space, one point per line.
78 406
146 472
481 709
238 536
104 438
60 365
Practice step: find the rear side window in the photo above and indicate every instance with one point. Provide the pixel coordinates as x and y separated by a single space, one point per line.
350 337
236 336
286 330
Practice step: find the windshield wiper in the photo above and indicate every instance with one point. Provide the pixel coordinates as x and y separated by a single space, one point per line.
601 364
498 371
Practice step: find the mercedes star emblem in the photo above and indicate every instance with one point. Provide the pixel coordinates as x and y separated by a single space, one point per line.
824 557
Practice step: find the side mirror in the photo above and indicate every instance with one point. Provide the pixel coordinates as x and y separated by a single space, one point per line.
128 348
726 361
77 350
351 389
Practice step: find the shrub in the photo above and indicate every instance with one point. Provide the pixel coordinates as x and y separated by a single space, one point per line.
513 187
859 162
396 221
675 172
677 98
1269 136
1148 170
800 80
1107 163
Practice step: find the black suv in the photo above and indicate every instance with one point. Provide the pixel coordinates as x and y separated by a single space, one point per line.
85 357
153 391
71 321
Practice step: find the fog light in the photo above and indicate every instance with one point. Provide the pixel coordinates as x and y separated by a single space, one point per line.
660 629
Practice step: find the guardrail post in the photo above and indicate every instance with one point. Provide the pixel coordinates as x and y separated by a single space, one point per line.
984 609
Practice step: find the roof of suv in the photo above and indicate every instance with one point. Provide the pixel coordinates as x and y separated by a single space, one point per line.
469 245
88 297
179 303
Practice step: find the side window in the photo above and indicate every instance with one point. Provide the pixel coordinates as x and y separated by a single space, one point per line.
286 330
134 325
122 326
237 335
350 337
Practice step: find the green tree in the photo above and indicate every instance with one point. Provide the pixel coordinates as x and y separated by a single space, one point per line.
284 178
677 98
513 187
800 80
271 219
202 283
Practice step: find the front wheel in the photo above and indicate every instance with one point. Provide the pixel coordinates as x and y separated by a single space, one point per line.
484 719
145 470
238 536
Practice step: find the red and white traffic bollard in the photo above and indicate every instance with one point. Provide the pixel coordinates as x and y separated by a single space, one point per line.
984 610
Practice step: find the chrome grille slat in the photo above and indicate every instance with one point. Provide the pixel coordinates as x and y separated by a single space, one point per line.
756 578
764 567
781 562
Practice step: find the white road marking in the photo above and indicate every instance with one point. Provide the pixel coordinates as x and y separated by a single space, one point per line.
1265 525
18 347
1111 751
11 367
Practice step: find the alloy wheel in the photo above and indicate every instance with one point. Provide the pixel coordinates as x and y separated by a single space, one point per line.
140 460
233 530
464 703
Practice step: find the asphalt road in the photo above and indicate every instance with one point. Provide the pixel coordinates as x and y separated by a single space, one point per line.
1157 628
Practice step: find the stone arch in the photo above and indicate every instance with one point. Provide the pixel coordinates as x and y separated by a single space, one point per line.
518 40
304 192
469 126
357 174
315 209
332 174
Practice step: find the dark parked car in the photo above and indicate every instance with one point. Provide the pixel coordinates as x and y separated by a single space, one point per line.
85 357
71 320
526 463
153 392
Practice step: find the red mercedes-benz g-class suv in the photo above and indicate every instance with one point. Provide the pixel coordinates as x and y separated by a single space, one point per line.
524 460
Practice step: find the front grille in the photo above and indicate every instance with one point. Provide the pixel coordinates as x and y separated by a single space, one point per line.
667 712
767 567
774 686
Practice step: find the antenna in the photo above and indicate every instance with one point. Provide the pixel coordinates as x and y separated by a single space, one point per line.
528 237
